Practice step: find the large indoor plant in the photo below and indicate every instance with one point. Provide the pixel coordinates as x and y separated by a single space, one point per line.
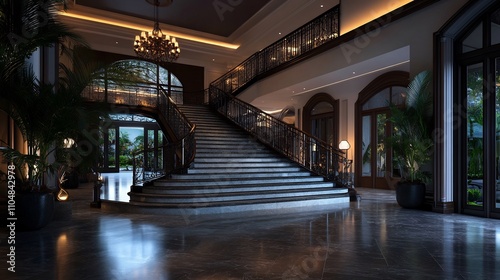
412 141
28 26
45 111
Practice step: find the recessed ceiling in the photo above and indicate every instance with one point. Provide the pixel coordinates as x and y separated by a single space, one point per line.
217 17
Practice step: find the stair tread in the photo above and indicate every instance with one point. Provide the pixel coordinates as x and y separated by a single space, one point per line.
267 185
194 180
241 202
286 191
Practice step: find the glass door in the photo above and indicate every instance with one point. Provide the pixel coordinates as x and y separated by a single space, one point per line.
374 156
482 137
475 137
496 192
108 160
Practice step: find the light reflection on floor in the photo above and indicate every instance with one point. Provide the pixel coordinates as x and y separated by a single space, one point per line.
116 186
371 238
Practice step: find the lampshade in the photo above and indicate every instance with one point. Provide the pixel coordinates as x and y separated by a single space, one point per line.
344 145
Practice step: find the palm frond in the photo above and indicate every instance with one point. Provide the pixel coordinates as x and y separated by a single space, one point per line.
412 141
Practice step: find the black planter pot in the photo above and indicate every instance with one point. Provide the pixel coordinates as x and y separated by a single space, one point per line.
34 210
410 194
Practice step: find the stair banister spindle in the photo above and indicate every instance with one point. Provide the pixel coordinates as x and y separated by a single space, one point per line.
183 149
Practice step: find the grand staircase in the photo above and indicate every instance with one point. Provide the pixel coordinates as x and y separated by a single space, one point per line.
232 172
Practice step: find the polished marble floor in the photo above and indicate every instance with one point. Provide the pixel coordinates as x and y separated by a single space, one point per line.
372 238
116 186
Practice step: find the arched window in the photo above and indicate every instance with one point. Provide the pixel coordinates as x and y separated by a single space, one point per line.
146 71
373 164
321 118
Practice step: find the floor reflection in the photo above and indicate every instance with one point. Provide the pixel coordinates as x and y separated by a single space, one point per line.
131 249
116 186
372 238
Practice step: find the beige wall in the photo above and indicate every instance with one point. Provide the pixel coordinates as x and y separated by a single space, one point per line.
405 45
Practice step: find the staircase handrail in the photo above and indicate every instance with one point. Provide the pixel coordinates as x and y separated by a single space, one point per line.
301 147
180 152
177 155
292 47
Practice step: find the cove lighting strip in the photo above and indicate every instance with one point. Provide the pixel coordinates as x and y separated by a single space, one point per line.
143 28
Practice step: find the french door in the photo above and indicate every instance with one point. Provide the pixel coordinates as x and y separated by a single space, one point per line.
375 156
480 190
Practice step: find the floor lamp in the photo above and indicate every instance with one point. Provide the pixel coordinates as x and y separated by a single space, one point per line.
345 146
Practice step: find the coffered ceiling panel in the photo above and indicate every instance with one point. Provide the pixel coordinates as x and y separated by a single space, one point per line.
217 17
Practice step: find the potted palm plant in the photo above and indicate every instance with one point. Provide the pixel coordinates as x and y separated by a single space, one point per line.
45 113
33 104
412 141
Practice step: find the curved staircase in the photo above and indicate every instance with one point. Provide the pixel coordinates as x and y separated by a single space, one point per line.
232 172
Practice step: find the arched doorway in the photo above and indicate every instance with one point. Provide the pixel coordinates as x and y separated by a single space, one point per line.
125 131
373 164
478 138
321 118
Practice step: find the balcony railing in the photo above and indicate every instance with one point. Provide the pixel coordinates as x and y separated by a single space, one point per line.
303 148
307 150
315 33
152 163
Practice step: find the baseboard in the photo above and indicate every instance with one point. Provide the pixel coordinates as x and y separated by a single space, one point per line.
444 207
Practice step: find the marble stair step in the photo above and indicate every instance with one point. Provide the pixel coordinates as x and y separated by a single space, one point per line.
238 160
225 153
223 188
222 207
206 182
238 196
243 170
241 175
231 165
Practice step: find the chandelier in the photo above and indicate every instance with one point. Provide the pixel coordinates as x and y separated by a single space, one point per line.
155 45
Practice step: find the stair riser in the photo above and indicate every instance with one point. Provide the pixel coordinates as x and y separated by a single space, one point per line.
261 207
198 165
215 199
231 147
227 171
231 189
240 175
234 142
211 160
217 132
211 153
206 183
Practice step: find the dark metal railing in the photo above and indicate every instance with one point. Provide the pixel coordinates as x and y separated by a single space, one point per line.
299 146
315 33
152 163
